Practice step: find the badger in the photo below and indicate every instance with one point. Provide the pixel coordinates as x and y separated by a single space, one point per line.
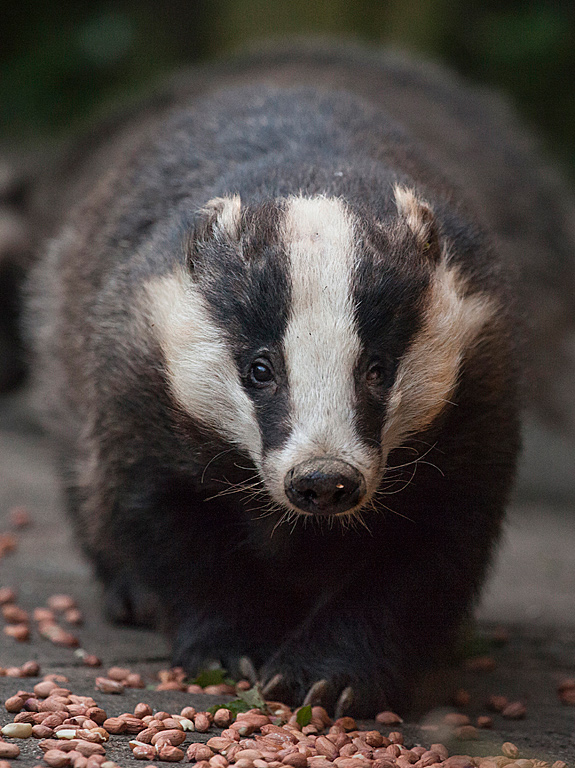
278 347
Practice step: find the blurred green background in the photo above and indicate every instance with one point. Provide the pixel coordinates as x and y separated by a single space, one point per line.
62 61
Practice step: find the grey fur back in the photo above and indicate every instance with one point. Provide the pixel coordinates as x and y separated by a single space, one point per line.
471 134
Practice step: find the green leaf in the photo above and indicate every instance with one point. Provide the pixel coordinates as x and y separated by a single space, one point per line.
303 715
253 698
210 677
235 706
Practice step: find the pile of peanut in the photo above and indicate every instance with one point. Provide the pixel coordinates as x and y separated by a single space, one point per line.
73 732
45 617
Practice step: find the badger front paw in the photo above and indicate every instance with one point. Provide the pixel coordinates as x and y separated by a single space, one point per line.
342 686
203 642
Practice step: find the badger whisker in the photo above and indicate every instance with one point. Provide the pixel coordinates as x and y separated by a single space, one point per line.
243 487
281 521
266 510
217 456
353 520
378 505
413 461
385 492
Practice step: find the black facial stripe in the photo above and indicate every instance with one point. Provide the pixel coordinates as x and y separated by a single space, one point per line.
247 290
389 289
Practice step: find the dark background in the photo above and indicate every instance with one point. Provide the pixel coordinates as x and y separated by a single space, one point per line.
64 61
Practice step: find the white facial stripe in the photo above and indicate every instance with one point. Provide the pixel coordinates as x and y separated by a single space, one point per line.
201 371
321 344
428 372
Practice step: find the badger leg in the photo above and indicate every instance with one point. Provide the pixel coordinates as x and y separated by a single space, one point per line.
338 659
167 556
362 649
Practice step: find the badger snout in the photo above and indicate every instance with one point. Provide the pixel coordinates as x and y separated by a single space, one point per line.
324 486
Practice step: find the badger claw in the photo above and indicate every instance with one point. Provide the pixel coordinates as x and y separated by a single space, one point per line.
247 669
272 684
317 693
344 702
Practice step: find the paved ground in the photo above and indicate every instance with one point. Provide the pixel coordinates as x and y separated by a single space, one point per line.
531 593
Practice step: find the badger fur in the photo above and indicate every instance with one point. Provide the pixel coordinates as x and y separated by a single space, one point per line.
278 350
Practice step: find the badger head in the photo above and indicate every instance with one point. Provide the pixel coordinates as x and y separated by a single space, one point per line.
314 339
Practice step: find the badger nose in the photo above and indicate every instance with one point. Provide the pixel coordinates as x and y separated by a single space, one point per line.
324 486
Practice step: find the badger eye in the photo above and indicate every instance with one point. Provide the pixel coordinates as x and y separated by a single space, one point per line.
261 373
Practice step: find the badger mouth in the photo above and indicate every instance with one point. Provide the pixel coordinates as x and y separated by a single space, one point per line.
325 487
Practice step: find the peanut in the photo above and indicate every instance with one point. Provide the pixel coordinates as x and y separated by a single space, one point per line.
170 754
172 737
198 753
514 711
142 751
497 703
170 722
132 724
61 603
324 747
202 723
19 632
296 760
43 614
142 710
219 761
105 685
14 704
14 614
96 714
509 750
223 718
373 738
25 717
7 595
388 718
455 719
429 758
347 723
484 721
114 725
30 669
8 751
147 734
118 673
17 730
87 748
56 758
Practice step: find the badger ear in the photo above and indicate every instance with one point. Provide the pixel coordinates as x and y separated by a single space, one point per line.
220 219
419 217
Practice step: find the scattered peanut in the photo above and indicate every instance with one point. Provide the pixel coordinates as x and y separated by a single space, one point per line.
8 751
61 603
19 632
7 595
105 685
17 730
514 711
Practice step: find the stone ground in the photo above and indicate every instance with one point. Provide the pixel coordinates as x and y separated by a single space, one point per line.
531 593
